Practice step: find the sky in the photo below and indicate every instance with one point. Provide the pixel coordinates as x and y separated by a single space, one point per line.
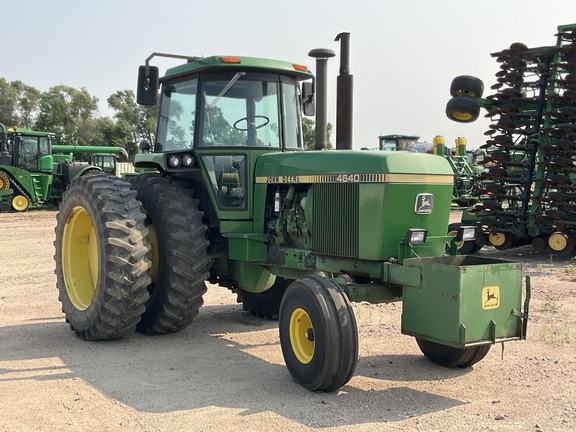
403 54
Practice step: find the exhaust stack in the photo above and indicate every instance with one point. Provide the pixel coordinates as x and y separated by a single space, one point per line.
344 92
321 55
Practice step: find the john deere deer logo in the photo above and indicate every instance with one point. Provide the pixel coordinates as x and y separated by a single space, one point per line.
490 297
424 203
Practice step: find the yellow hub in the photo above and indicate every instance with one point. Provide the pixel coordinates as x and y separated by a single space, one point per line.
302 336
4 181
468 93
458 243
558 241
80 258
461 115
497 239
20 203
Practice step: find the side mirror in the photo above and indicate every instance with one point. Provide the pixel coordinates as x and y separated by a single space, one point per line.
144 146
148 83
308 107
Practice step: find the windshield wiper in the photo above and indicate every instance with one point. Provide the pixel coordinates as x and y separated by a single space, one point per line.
225 89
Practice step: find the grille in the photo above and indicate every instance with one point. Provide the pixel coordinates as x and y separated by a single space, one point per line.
335 219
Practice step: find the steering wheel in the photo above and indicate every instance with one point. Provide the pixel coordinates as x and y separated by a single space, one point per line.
265 119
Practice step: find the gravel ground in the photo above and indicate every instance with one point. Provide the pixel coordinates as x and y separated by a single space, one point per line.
226 372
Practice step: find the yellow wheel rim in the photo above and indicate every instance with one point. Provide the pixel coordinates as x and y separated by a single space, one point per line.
461 115
4 181
80 258
497 239
20 202
302 336
153 254
458 243
558 241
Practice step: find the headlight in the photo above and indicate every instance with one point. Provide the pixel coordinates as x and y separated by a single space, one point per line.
174 161
415 236
187 160
466 233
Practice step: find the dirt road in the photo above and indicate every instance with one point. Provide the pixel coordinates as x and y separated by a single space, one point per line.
226 372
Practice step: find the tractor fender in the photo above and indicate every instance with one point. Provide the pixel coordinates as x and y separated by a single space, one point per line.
78 169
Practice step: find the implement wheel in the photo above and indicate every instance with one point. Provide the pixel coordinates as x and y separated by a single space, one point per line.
462 110
101 257
466 85
265 304
318 334
452 357
179 258
464 247
20 203
4 181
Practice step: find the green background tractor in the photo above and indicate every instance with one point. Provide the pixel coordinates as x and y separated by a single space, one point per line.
298 235
33 170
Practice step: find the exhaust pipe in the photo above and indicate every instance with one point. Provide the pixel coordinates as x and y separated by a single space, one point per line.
344 92
321 134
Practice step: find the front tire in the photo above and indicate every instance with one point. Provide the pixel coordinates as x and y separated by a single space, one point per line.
318 334
447 356
100 254
179 253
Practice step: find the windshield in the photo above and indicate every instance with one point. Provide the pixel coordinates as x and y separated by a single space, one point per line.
232 109
246 114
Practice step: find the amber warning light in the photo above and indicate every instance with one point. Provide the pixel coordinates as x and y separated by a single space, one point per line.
230 59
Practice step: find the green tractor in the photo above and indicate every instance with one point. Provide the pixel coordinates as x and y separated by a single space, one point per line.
35 171
467 183
397 142
298 235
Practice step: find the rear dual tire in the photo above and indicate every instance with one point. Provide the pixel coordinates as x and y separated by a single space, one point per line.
101 258
129 258
451 357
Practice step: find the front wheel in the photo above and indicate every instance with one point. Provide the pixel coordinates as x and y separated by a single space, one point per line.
318 334
447 356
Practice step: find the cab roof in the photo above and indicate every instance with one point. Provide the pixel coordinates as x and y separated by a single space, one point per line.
203 64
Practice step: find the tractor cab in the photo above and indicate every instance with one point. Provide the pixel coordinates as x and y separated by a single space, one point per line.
106 162
397 142
217 116
31 150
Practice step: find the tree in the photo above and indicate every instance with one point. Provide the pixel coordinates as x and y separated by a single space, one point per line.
136 122
309 133
8 115
68 113
27 103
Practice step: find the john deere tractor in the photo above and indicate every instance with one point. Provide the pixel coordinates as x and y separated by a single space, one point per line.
296 234
35 171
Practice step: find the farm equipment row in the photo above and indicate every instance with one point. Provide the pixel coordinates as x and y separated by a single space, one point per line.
532 146
33 170
467 176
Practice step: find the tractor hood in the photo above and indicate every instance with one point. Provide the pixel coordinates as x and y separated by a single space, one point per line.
338 162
